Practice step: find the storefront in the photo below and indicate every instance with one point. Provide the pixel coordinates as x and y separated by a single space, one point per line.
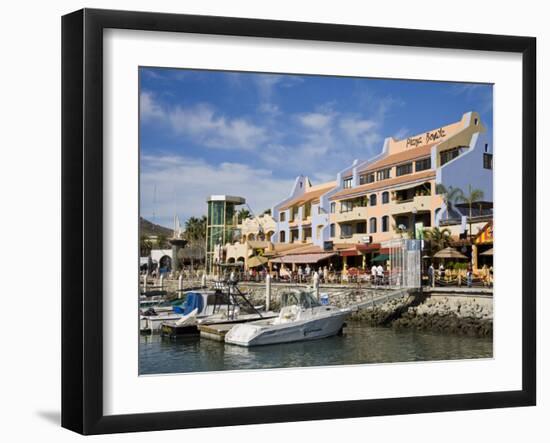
482 249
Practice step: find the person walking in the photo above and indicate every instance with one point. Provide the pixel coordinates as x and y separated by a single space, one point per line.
300 273
380 274
431 275
373 274
469 275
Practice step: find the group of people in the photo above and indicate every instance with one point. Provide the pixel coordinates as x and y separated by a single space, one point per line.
441 273
377 274
302 274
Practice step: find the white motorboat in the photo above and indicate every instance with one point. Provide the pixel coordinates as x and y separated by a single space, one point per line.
301 318
152 323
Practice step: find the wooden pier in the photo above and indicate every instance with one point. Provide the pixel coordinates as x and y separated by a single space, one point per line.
215 331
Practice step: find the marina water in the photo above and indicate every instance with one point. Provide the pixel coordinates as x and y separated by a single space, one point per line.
360 344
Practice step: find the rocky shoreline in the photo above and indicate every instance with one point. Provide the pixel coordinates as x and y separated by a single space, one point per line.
469 316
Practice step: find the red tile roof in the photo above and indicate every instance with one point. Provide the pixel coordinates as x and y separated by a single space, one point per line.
312 196
410 154
360 190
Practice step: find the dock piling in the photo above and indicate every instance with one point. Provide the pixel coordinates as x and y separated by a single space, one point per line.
267 291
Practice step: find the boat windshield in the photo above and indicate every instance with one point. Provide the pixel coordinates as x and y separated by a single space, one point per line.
299 298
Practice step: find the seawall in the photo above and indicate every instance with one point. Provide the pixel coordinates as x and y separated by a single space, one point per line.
460 310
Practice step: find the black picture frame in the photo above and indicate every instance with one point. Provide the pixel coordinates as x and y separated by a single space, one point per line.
82 218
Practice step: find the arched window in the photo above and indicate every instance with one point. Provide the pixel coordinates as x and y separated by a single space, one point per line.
282 236
372 225
333 230
372 200
385 223
385 197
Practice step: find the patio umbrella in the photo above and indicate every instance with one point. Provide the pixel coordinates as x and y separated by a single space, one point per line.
381 257
488 252
257 260
450 253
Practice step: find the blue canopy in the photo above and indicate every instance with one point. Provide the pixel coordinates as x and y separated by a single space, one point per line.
193 300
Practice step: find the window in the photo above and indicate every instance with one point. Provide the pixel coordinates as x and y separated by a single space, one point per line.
294 213
294 235
366 178
385 197
383 174
282 216
385 223
448 155
488 161
361 228
422 165
282 236
486 147
346 206
475 121
319 231
403 169
333 230
333 207
348 182
372 225
372 200
346 231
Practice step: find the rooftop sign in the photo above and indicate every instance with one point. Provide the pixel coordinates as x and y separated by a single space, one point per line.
429 137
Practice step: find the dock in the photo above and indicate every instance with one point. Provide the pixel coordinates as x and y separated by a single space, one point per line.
216 331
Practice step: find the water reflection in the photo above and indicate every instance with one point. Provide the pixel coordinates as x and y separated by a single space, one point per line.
360 344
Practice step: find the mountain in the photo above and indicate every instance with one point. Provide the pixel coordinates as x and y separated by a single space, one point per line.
148 228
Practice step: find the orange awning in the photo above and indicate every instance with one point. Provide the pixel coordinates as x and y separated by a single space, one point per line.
303 258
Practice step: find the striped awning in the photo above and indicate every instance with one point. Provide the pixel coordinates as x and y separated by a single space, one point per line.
303 258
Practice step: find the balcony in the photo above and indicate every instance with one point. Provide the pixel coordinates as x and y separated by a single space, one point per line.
358 213
421 203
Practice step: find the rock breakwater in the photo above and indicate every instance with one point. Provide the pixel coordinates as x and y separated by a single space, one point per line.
471 316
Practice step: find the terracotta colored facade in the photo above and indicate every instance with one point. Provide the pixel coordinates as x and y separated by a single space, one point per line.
386 196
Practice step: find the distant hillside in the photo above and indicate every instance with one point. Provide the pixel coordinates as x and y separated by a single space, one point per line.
147 228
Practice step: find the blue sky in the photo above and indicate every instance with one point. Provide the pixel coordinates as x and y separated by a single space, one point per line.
249 134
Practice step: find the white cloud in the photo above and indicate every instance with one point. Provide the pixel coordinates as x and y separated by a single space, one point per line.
149 109
201 123
183 184
401 134
315 120
269 108
361 132
214 131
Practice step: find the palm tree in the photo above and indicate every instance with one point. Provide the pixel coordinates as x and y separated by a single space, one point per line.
243 214
162 240
145 246
474 195
195 234
439 238
450 195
